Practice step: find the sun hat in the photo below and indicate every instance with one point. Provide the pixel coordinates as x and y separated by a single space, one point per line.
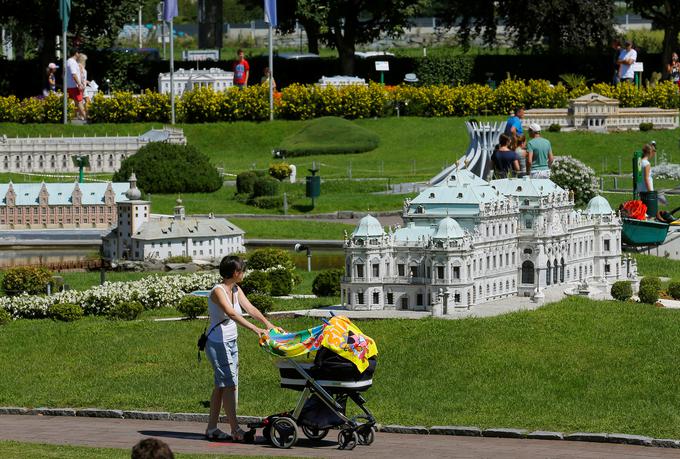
52 65
410 78
534 127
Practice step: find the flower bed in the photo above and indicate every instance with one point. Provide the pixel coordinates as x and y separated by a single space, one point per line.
310 101
152 292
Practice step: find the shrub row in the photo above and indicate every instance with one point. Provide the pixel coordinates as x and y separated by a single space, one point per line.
309 101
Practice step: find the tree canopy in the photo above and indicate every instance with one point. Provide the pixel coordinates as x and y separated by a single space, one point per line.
664 15
558 25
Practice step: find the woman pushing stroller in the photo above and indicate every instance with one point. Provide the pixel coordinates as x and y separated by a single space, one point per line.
226 303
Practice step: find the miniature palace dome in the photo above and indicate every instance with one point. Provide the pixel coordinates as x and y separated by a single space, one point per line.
367 227
598 206
448 229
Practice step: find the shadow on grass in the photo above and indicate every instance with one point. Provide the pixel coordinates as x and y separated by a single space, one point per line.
303 207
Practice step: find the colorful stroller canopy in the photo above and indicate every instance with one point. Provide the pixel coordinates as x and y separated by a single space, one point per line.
338 334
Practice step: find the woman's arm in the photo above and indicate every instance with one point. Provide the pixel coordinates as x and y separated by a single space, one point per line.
252 310
515 165
648 182
220 298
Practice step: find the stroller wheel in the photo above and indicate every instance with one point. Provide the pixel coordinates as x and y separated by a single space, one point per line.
314 434
283 433
347 439
366 435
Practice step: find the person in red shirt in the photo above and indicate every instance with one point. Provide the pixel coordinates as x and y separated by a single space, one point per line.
241 71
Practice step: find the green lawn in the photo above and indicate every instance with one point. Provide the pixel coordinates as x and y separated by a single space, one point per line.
578 365
291 229
17 450
410 149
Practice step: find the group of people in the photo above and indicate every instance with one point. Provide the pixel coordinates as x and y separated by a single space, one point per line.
242 72
514 155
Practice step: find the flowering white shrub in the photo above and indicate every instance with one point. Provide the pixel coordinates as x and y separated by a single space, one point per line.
572 174
152 292
666 171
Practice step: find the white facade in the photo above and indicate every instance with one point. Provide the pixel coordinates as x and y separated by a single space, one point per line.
598 113
341 80
186 80
471 241
139 236
54 154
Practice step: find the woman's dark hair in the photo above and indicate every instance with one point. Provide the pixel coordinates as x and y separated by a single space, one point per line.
230 264
503 140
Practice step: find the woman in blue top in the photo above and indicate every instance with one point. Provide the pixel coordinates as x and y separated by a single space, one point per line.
225 306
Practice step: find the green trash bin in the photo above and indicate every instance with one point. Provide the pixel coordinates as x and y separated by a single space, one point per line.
650 198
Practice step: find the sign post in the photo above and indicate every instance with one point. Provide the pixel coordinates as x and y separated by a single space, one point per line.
382 67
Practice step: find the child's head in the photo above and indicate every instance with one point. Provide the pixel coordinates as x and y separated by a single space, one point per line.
521 140
648 151
503 140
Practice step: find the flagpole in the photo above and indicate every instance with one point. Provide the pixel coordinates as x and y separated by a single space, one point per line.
271 72
63 73
172 73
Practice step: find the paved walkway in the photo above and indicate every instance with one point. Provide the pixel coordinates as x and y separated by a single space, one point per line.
187 437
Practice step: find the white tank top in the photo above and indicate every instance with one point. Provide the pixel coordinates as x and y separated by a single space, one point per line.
226 331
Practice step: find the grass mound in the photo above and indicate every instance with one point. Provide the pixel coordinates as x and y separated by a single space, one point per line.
329 136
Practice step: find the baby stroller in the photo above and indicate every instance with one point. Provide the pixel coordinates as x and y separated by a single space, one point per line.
342 369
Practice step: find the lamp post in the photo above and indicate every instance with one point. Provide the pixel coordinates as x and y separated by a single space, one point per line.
299 248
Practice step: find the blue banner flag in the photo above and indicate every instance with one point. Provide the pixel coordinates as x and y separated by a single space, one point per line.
270 12
64 13
169 10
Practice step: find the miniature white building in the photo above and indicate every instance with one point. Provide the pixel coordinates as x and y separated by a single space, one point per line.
54 154
340 80
186 80
473 241
599 113
140 236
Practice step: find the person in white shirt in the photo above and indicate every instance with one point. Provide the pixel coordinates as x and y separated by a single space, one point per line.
75 85
626 60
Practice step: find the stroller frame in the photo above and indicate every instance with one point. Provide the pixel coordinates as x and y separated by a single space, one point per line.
281 429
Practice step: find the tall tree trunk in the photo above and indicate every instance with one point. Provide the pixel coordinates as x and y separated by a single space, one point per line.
210 24
670 43
312 30
346 54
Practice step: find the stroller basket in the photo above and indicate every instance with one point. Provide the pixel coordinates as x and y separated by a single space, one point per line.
338 377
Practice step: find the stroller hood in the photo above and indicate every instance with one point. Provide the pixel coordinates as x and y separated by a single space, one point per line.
338 335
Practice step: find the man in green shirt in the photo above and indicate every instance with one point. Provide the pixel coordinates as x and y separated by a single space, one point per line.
539 153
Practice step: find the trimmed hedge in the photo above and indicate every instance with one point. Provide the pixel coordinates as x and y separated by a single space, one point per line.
299 102
126 310
649 289
270 258
327 282
66 312
26 279
265 186
263 302
622 290
256 282
193 306
674 290
162 168
5 317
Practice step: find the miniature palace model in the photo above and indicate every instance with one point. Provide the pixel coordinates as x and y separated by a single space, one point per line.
55 154
470 241
140 235
595 112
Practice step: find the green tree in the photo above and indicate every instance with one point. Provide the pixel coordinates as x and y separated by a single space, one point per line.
665 15
35 23
559 25
347 23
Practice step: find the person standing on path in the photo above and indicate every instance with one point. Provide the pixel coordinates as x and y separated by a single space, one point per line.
225 307
627 58
539 154
241 71
74 82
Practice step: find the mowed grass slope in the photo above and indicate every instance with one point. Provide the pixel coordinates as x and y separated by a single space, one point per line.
577 365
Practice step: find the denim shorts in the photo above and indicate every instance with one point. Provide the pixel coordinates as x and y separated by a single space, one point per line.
224 359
